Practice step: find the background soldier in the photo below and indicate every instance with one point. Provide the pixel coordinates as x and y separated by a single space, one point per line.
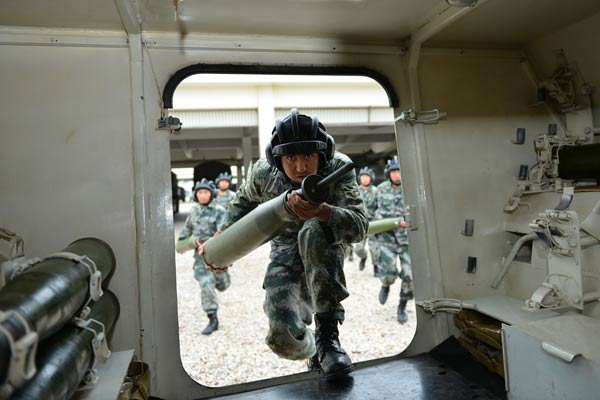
305 275
395 243
200 225
368 191
224 194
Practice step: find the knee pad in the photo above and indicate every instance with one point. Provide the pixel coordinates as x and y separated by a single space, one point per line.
285 345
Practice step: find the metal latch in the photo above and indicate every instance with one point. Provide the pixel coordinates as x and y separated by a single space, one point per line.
168 123
410 216
421 117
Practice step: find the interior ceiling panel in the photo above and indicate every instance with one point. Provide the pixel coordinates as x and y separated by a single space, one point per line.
357 20
510 22
72 14
515 22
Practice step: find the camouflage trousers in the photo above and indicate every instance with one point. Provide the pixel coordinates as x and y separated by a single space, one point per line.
209 281
361 250
297 285
388 272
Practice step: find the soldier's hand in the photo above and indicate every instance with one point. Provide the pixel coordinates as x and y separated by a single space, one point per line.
306 210
403 224
200 247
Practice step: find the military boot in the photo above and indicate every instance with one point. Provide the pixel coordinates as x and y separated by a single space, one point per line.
333 359
361 264
383 294
402 317
313 363
351 255
213 323
375 270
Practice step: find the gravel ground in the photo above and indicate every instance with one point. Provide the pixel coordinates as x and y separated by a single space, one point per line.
237 352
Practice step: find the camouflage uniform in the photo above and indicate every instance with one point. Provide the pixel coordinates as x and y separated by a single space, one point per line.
305 275
201 224
394 243
224 199
369 196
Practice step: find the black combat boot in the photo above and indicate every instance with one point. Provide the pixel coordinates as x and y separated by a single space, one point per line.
375 270
402 317
313 363
361 264
333 359
351 255
213 323
383 294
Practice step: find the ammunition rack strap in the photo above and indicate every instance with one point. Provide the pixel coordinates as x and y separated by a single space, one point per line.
23 351
95 284
99 347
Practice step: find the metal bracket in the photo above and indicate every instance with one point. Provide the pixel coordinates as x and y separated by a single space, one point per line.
412 117
444 305
24 266
23 351
168 123
410 216
563 286
17 247
566 198
95 279
99 346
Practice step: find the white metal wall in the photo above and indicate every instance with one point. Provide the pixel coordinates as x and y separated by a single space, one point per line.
66 169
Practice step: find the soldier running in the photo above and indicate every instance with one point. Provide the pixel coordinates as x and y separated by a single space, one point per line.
224 194
395 243
201 225
368 191
305 275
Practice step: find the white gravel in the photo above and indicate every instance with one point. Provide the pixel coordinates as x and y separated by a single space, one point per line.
237 353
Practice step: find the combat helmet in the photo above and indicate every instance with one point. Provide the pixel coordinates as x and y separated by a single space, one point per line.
391 166
223 176
367 171
299 134
208 185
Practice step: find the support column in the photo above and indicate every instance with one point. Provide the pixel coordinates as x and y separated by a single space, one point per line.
247 149
266 116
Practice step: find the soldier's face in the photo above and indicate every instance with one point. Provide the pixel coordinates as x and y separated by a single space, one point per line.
299 166
203 196
223 185
365 180
395 176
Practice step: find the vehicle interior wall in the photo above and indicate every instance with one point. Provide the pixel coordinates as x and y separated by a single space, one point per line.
472 160
579 41
473 164
66 158
580 44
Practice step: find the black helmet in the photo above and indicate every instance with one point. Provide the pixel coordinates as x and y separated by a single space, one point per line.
299 134
391 166
223 176
208 185
367 171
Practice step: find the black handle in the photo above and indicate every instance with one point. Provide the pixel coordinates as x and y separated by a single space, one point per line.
316 190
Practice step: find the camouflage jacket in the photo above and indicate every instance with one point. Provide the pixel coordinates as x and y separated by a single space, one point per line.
224 199
348 222
390 204
369 196
202 223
